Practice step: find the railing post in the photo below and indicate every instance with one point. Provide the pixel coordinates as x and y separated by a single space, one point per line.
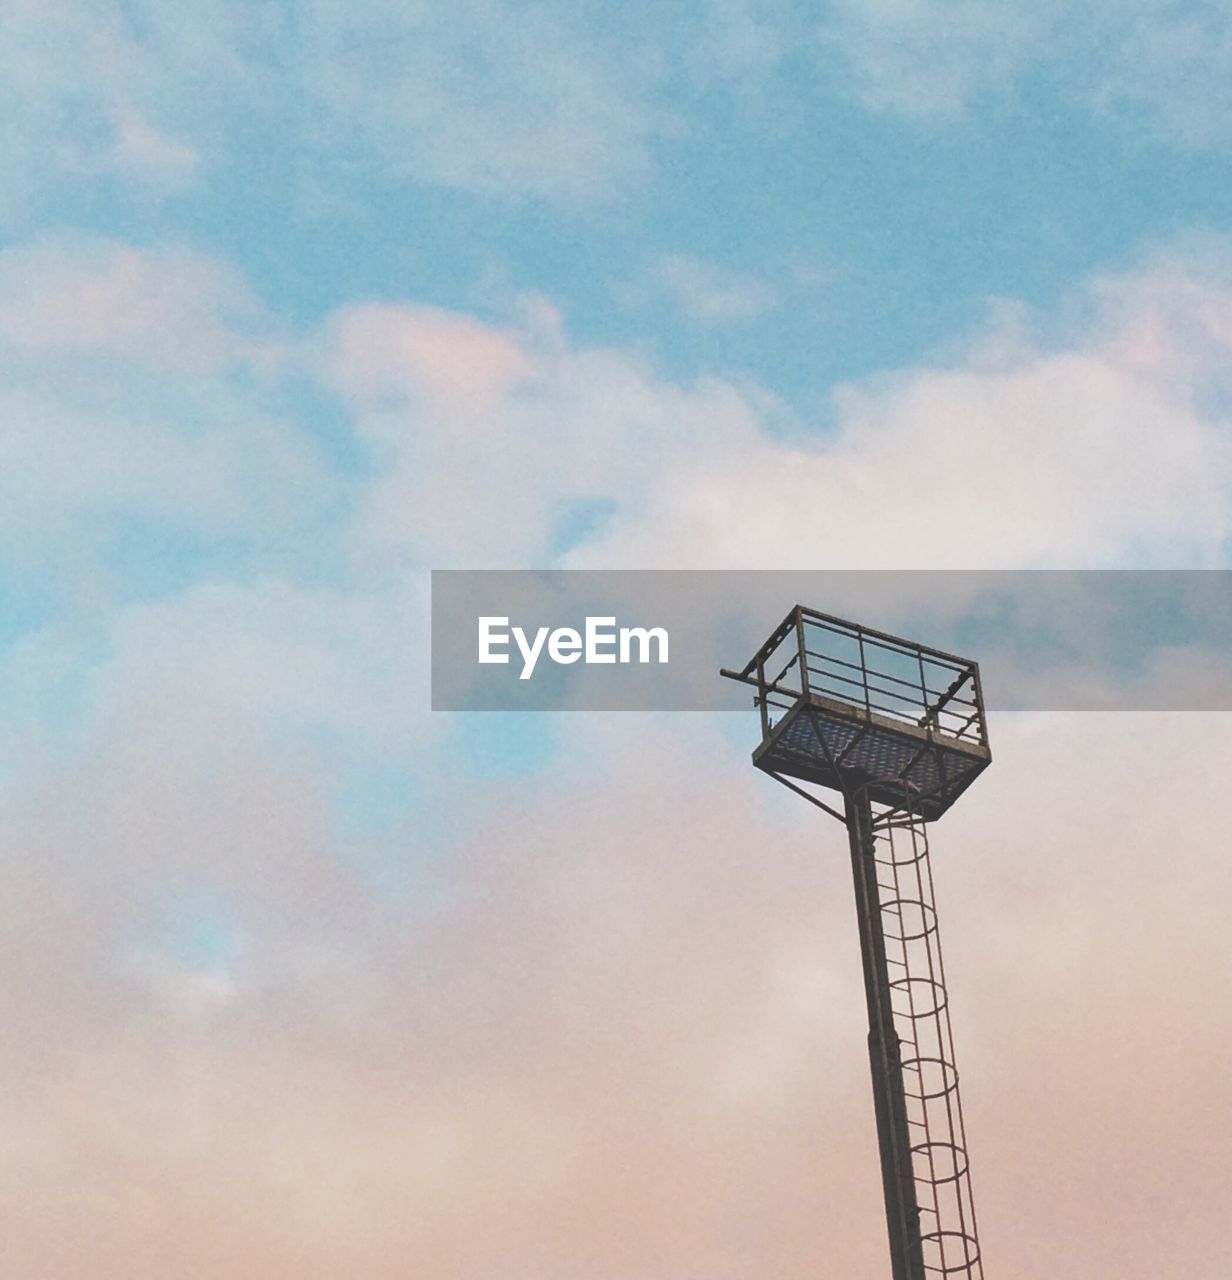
761 699
804 674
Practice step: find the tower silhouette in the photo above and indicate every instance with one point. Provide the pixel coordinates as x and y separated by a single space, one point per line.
898 731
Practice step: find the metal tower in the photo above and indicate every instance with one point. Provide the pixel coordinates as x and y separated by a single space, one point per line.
898 730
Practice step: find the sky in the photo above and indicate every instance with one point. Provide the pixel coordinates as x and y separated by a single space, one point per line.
299 302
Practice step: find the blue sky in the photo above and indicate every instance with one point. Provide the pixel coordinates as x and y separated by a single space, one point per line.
713 243
868 221
299 301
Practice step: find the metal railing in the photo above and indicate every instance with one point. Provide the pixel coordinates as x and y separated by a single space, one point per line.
878 675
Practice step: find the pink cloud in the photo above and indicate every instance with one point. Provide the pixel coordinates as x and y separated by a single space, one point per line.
616 1030
628 1040
452 361
169 307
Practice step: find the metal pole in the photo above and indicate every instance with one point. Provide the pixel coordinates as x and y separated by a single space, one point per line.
884 1051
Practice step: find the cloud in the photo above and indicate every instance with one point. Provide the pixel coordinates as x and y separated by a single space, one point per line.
530 101
710 295
139 385
379 354
491 98
572 426
1093 438
368 1017
596 1056
741 44
509 101
75 88
1095 448
168 307
1146 62
1170 66
929 58
609 1022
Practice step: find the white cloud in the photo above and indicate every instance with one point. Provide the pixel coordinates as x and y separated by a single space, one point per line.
710 294
75 93
1106 445
1156 63
646 932
740 44
478 478
139 384
487 97
929 58
167 307
1107 448
1171 66
531 99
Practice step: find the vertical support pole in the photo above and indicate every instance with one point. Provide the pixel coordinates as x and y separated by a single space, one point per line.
884 1051
868 707
978 695
802 649
762 695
